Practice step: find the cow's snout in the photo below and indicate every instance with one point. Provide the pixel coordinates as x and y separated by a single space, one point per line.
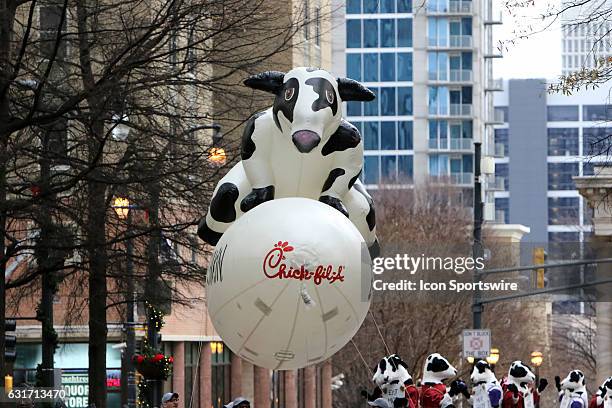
305 140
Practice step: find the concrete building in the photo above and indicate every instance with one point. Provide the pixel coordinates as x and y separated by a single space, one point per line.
585 34
430 65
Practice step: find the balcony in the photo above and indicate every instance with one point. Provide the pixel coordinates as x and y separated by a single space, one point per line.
495 85
460 41
463 179
460 75
460 7
460 109
500 150
496 118
496 183
451 144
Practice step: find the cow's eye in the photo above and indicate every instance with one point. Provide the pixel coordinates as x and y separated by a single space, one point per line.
289 93
329 95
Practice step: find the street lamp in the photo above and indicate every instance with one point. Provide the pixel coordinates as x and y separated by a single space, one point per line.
537 358
470 359
493 357
121 205
216 153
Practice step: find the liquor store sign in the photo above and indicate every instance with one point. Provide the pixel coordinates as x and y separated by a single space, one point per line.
76 384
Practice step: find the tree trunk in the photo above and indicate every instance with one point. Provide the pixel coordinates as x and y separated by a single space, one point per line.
96 237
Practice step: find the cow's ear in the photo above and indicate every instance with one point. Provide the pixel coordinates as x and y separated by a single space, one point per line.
351 90
269 81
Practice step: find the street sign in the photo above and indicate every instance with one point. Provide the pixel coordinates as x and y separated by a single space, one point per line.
476 343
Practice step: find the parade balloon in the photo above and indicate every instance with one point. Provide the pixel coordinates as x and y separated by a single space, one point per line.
288 284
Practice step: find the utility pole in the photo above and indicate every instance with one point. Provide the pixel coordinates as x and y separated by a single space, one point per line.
477 247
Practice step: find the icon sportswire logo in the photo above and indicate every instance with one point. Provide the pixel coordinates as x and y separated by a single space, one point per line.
275 268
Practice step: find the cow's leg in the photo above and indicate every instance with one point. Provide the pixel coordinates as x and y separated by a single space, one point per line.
361 212
225 205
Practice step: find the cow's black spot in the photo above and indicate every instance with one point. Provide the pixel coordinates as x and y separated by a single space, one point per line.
353 180
222 205
346 137
281 105
374 251
208 235
371 218
382 365
575 377
322 87
437 365
482 366
248 146
333 175
518 371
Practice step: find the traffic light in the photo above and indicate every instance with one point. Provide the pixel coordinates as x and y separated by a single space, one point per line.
539 258
10 341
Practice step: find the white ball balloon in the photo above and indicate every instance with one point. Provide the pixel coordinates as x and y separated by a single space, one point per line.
289 283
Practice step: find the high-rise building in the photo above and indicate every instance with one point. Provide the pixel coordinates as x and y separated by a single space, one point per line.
546 139
430 65
585 34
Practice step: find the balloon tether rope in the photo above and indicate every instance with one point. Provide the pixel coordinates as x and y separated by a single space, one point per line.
361 356
379 333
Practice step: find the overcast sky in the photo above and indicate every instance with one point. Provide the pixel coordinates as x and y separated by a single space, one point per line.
538 56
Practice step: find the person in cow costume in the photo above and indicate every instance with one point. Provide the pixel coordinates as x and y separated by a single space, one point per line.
393 383
299 147
520 390
572 390
433 393
486 390
603 395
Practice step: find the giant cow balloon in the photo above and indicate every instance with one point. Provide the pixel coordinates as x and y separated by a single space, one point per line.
299 147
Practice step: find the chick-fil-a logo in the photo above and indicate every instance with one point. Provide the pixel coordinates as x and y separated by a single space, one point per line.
274 268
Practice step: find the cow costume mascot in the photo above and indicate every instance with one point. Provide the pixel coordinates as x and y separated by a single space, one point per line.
394 383
433 393
519 389
299 147
603 395
486 390
572 390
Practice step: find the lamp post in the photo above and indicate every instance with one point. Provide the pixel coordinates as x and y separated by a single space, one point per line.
121 205
493 357
537 358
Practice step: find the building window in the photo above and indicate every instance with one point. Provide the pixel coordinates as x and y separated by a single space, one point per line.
278 389
370 136
437 66
437 32
387 33
370 6
306 20
388 140
503 111
404 6
404 32
370 67
596 141
404 101
353 6
353 66
387 67
596 112
371 169
370 33
563 211
387 6
388 169
562 113
438 165
501 170
387 101
501 137
560 176
404 135
353 33
563 141
221 374
192 360
438 100
502 207
405 169
404 66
